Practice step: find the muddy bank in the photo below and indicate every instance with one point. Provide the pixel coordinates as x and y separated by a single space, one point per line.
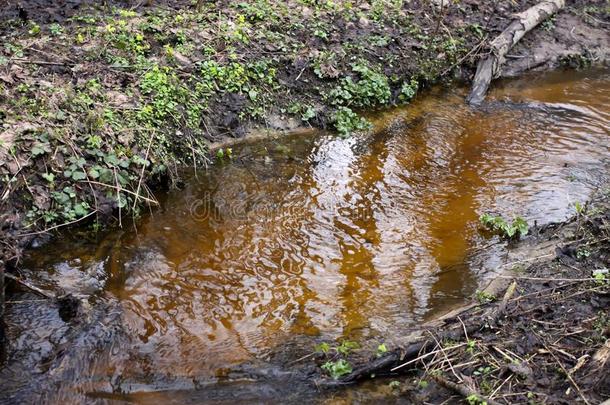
101 101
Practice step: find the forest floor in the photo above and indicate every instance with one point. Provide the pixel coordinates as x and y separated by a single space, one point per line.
100 101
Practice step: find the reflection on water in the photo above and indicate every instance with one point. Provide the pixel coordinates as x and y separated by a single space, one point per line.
323 236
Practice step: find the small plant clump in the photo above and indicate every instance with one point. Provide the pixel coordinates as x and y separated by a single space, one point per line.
517 228
337 368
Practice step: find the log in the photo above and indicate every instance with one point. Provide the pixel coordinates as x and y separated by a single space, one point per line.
490 67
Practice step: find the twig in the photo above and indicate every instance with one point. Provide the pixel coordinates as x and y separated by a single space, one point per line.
423 356
29 286
57 226
445 355
135 200
548 278
38 62
124 190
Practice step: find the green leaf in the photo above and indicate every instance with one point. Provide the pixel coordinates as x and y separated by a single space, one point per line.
50 177
322 348
81 209
40 148
381 349
346 346
94 173
78 175
337 368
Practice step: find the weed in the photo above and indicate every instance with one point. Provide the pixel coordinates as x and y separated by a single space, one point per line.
473 399
600 276
56 29
346 121
498 224
34 29
471 344
477 30
422 384
549 23
346 346
381 350
582 253
371 89
337 368
322 348
408 90
484 297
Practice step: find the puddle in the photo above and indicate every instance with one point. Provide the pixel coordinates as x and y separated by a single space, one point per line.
315 237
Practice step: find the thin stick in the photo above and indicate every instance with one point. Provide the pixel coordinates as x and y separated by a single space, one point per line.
445 354
549 278
29 286
124 190
57 226
135 200
423 356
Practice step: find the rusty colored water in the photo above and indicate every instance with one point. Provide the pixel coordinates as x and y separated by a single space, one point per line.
315 235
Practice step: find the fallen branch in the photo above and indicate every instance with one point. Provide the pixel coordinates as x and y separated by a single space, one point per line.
29 286
489 68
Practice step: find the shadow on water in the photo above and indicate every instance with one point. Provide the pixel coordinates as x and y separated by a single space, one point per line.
304 239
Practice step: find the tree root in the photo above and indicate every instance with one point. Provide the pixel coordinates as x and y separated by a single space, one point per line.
489 68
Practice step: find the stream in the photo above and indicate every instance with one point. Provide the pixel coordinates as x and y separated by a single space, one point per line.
302 239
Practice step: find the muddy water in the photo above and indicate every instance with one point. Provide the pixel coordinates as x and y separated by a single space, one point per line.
307 238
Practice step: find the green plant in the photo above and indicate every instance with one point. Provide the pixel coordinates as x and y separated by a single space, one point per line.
337 368
481 371
346 346
372 88
582 253
484 297
473 399
471 344
322 348
408 90
34 29
498 224
56 29
477 30
346 121
600 275
381 350
422 384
